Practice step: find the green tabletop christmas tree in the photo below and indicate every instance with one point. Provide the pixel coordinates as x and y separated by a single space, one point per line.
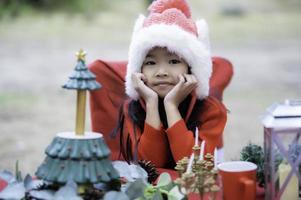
80 156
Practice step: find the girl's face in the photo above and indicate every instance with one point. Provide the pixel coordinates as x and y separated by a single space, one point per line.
161 69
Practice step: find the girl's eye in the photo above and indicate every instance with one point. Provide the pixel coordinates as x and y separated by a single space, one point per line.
174 61
149 63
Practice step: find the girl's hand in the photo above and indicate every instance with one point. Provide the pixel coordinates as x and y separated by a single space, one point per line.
184 87
143 90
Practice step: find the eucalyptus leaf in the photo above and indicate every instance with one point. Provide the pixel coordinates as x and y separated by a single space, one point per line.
138 172
150 191
175 194
167 187
7 176
13 191
136 189
27 182
113 195
157 196
30 183
123 169
130 172
43 194
164 179
69 191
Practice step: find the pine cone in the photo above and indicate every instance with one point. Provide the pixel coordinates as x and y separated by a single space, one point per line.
92 194
150 168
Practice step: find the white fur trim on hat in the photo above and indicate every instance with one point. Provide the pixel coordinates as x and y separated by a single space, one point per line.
203 32
195 51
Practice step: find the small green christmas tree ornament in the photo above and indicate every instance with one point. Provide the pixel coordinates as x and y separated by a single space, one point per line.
79 156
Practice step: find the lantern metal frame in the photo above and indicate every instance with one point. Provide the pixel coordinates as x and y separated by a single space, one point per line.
272 140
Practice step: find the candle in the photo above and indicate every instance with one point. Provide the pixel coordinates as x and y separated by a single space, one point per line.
202 150
215 158
196 143
291 190
190 163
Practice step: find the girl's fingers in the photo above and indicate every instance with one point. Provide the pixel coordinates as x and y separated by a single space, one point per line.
137 81
141 87
190 80
194 81
190 83
142 77
138 77
181 79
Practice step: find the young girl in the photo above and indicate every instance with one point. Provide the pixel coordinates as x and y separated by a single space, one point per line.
167 81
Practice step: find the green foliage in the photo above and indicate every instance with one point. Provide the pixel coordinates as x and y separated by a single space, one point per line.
18 172
139 190
254 153
135 189
164 180
165 189
294 151
30 188
14 8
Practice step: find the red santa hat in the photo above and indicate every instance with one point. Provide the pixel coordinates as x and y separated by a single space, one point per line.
170 25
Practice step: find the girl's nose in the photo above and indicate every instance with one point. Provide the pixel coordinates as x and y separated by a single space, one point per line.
162 72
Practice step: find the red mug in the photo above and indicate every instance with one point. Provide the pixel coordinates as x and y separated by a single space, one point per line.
238 180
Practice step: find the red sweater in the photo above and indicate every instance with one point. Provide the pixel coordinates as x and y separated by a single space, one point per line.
106 101
160 145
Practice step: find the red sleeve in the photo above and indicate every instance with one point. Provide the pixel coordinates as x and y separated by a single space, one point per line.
152 143
153 146
213 120
181 140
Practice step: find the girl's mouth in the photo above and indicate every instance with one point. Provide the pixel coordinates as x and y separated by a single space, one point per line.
163 83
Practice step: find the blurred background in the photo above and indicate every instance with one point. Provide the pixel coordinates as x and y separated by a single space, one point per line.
39 38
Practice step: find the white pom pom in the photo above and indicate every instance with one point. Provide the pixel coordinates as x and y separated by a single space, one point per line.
203 32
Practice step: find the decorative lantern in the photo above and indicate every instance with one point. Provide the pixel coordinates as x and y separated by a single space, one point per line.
282 148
